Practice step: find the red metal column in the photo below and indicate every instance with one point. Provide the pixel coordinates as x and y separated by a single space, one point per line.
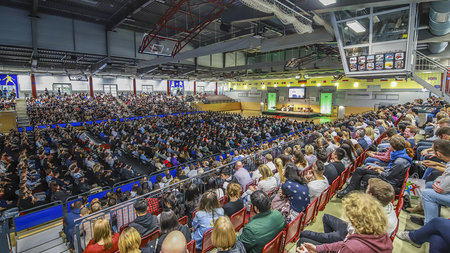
134 86
216 88
195 87
33 86
91 87
168 88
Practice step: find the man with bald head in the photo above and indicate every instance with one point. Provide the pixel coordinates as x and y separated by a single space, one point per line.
175 242
242 175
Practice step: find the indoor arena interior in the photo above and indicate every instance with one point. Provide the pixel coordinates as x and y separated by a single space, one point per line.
224 126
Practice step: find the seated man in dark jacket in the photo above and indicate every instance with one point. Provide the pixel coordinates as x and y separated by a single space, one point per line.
145 223
262 227
394 173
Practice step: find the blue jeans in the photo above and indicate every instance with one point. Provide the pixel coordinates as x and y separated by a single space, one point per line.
432 202
375 161
427 173
436 233
383 145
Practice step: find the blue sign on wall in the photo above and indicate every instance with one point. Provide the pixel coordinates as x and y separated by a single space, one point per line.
9 81
177 87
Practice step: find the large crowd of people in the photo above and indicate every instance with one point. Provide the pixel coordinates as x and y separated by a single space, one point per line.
276 189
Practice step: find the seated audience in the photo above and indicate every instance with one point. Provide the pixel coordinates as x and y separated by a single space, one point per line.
394 173
104 239
295 190
310 157
336 160
369 223
330 171
262 227
145 223
130 240
224 237
209 211
235 202
435 232
317 181
168 222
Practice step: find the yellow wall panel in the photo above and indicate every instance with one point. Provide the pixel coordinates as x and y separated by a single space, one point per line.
7 121
220 106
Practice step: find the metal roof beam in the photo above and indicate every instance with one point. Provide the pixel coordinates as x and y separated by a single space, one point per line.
126 11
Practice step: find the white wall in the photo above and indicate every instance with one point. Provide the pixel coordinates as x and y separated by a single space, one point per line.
123 84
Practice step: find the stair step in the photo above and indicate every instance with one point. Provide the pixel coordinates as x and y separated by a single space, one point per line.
42 240
49 246
57 249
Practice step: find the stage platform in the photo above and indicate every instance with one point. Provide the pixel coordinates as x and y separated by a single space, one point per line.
292 114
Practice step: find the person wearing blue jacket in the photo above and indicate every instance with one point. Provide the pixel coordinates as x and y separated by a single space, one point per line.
70 221
209 211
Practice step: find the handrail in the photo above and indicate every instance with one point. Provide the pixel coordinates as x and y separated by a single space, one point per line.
73 197
431 60
37 208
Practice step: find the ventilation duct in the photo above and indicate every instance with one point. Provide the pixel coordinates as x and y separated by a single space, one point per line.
439 24
283 12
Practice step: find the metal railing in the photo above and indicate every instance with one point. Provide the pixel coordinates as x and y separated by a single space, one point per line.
432 72
123 214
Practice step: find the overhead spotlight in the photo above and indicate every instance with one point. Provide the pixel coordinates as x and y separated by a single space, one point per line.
288 85
234 87
355 26
245 86
306 76
276 85
327 2
424 90
336 84
393 84
318 84
356 84
263 86
303 85
297 77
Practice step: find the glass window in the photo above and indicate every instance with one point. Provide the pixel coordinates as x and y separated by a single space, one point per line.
357 51
341 15
354 32
388 7
390 26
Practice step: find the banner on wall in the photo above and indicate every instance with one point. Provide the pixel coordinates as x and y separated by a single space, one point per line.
326 100
176 88
9 82
272 101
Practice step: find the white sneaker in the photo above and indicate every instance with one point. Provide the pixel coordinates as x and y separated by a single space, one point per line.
404 236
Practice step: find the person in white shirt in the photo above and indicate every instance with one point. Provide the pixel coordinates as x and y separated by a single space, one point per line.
270 163
267 182
384 192
317 181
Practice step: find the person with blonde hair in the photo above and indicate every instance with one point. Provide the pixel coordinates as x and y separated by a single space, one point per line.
310 157
235 202
224 237
129 241
279 176
368 228
104 240
267 181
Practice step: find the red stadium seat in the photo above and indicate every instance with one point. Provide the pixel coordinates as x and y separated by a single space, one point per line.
310 212
275 246
238 219
206 241
223 200
150 237
183 220
191 246
292 229
323 199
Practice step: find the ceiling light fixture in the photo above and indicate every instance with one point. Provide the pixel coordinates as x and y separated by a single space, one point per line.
393 84
303 85
263 86
318 84
336 84
356 26
356 84
327 2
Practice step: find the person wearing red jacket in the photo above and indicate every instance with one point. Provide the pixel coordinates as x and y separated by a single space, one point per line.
368 222
104 241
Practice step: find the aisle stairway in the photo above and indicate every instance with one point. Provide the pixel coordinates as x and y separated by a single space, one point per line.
22 116
46 239
426 70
